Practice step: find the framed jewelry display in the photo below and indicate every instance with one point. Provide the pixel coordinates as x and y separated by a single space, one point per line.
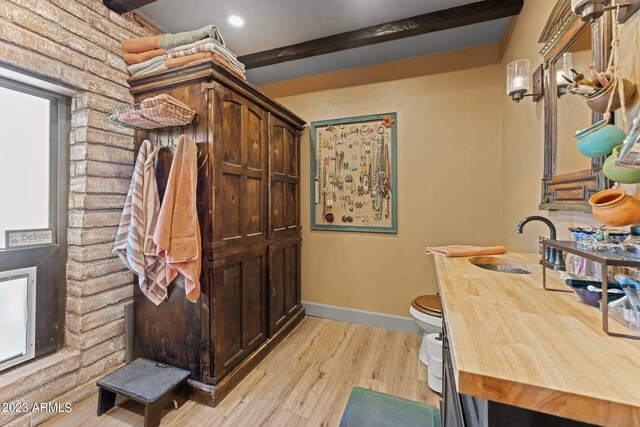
353 174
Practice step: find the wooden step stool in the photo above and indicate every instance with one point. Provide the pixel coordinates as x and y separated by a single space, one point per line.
150 383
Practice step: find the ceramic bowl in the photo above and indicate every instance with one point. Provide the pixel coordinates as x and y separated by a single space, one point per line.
593 298
578 233
617 173
599 139
614 207
598 102
617 236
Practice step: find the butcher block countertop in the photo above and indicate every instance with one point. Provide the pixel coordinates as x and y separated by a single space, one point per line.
515 343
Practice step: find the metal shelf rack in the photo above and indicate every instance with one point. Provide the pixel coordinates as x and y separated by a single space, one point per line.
606 260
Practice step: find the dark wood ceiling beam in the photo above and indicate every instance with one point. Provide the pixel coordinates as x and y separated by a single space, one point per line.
123 6
472 13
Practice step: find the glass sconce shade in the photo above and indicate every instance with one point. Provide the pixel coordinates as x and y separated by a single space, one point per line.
577 5
519 76
563 68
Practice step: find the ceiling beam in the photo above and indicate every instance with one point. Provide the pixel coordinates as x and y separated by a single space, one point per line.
471 13
123 6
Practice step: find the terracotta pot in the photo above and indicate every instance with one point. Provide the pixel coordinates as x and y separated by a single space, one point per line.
599 139
617 173
615 207
600 100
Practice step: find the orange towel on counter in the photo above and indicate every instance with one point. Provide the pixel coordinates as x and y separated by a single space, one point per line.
136 58
141 44
177 231
462 250
187 59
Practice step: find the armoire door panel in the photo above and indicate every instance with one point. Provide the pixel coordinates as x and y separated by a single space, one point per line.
291 153
284 282
252 207
241 169
231 132
277 205
284 193
227 316
254 143
231 192
240 309
291 206
277 313
291 278
253 302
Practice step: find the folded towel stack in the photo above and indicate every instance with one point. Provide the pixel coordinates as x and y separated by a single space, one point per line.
156 53
465 251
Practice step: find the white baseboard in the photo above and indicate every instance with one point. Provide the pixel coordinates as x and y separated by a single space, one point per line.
362 317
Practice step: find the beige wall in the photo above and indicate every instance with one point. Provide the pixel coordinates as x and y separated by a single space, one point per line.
523 129
449 172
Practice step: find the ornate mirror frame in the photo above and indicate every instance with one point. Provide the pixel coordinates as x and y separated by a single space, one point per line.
570 191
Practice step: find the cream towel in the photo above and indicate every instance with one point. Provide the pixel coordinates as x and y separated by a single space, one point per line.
134 241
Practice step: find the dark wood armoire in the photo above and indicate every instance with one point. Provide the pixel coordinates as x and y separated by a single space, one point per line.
249 212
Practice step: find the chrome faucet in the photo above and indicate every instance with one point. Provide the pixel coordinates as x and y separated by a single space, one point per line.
553 258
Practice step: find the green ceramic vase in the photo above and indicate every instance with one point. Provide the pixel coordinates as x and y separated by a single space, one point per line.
617 173
599 139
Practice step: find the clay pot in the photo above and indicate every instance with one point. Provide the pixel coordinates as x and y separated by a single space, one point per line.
599 139
600 100
617 173
615 207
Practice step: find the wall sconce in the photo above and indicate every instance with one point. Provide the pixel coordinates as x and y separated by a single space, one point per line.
520 82
591 10
563 73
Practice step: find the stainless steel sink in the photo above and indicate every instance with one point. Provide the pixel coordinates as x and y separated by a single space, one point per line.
503 265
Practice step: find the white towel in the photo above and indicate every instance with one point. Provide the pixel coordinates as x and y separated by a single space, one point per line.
134 241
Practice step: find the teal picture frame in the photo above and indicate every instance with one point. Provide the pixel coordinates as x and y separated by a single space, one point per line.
319 224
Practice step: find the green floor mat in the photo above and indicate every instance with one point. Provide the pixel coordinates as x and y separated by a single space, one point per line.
367 408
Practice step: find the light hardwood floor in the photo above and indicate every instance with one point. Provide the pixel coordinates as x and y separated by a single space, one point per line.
305 381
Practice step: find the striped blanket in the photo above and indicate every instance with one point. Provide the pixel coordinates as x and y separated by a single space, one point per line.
134 241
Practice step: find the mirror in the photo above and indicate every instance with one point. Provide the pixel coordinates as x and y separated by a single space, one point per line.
570 178
572 111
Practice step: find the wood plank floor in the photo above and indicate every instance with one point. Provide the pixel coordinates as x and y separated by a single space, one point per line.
305 381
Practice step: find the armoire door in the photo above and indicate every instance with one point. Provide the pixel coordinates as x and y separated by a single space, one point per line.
240 147
284 282
284 189
239 319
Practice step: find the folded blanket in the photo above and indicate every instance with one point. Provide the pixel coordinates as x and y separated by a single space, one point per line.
177 233
148 64
184 60
136 58
197 47
141 44
136 118
134 240
172 40
208 47
462 250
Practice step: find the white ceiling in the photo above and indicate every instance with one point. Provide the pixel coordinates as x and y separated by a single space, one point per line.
276 23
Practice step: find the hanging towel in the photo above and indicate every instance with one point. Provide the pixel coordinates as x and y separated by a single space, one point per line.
462 250
136 58
134 241
172 40
178 231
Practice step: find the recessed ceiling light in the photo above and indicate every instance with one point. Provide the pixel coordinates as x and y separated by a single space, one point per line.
235 20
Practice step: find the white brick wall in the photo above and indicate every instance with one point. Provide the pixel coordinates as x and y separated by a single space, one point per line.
76 43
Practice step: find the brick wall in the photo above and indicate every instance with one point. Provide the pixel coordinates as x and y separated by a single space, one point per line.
75 43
